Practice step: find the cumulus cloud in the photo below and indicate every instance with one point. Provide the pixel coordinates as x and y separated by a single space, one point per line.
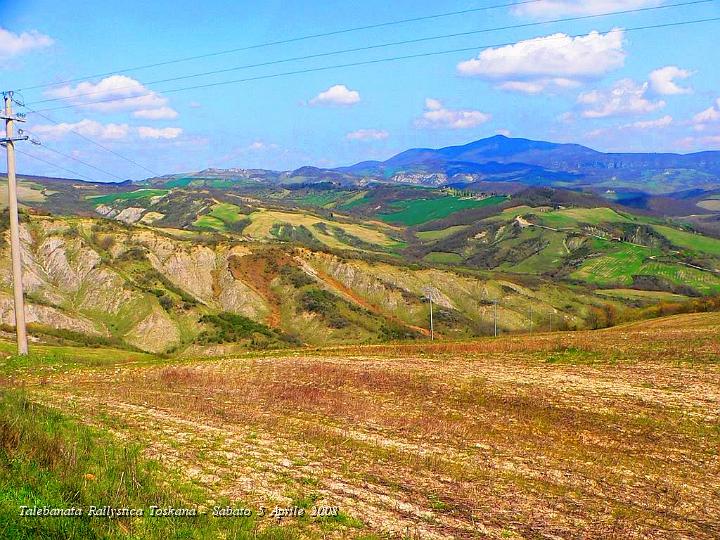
658 123
337 95
89 128
552 8
626 97
159 133
367 135
662 81
109 132
128 95
163 113
709 115
437 116
557 61
12 44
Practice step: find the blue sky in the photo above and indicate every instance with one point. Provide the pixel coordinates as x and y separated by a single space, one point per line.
611 89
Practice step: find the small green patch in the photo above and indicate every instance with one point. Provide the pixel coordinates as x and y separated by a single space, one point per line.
128 195
417 211
573 356
439 257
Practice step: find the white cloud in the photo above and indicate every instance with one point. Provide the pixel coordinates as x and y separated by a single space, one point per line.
557 61
551 8
699 142
159 133
128 95
663 122
505 132
659 123
337 95
163 113
662 80
89 128
367 135
259 146
437 116
12 44
626 97
711 114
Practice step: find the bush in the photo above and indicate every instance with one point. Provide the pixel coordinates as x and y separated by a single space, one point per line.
325 304
229 327
296 277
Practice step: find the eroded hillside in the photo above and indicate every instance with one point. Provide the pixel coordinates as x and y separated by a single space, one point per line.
164 290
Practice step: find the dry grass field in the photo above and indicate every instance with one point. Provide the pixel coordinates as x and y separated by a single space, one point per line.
605 434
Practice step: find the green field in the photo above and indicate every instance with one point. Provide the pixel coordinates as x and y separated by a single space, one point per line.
695 242
616 267
549 258
439 257
648 296
356 200
417 211
322 199
221 215
440 234
571 217
704 282
619 266
129 195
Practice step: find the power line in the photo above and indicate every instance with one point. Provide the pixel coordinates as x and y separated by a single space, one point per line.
377 46
55 165
285 41
368 62
68 156
91 141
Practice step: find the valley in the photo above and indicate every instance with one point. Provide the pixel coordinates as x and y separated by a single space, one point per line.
257 343
223 261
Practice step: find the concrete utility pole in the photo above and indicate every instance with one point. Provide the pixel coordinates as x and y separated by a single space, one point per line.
9 142
428 294
432 326
531 320
495 304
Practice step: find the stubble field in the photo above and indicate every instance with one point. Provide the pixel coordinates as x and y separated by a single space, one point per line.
605 434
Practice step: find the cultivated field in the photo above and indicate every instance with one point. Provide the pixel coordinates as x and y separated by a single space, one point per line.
605 434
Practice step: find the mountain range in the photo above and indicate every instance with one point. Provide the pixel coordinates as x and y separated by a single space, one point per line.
511 161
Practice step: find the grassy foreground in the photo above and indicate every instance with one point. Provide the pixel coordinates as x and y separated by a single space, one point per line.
48 460
611 434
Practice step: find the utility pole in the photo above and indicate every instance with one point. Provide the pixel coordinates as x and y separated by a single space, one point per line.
428 293
432 327
531 321
15 252
495 304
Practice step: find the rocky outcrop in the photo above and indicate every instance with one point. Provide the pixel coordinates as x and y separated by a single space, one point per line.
154 333
48 316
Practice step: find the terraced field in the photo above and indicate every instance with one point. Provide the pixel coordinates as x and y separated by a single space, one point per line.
617 266
610 434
